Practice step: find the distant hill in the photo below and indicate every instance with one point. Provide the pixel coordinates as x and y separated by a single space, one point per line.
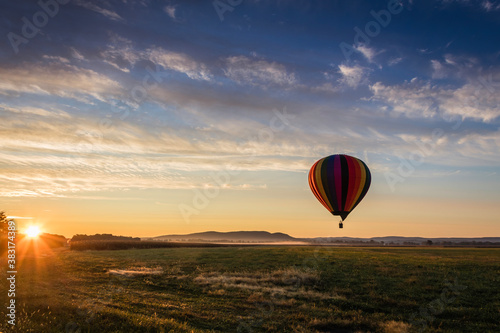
233 236
264 236
103 237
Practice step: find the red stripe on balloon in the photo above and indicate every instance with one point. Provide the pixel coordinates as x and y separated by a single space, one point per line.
352 176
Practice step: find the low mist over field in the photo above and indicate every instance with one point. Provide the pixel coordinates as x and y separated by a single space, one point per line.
264 236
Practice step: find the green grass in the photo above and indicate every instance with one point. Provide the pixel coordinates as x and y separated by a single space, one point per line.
260 289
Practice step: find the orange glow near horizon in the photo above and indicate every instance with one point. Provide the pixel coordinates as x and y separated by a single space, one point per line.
294 212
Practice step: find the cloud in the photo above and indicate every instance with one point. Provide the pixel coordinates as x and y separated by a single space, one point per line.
59 173
64 157
37 111
76 54
438 70
368 52
352 76
412 99
56 59
394 61
481 146
327 87
421 99
120 53
58 79
454 66
424 51
179 62
170 10
245 70
486 5
490 6
63 154
106 12
449 59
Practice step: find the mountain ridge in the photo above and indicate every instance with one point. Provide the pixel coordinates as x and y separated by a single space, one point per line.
265 236
230 236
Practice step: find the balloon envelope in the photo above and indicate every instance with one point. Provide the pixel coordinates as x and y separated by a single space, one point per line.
339 182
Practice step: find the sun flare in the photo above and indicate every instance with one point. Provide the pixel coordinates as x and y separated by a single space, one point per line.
33 231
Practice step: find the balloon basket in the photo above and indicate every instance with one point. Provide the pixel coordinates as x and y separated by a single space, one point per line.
341 225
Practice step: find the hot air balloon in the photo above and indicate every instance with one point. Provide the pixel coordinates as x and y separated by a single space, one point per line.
339 182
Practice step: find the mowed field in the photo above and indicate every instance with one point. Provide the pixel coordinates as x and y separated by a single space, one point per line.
259 289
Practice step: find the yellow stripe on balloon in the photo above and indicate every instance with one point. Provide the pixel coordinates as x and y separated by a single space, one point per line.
314 188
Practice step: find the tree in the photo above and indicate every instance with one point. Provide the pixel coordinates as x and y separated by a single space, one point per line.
3 223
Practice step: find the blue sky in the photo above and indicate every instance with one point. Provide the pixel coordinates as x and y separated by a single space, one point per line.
190 116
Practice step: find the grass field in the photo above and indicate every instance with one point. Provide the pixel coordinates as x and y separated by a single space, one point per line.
259 289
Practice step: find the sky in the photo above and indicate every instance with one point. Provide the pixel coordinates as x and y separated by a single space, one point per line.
146 118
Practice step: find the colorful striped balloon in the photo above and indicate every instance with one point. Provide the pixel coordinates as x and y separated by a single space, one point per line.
339 182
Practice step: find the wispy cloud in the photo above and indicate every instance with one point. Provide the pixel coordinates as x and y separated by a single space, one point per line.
438 70
58 79
394 61
179 62
353 76
258 72
368 52
454 66
103 11
120 53
326 87
491 5
420 99
37 111
170 10
54 162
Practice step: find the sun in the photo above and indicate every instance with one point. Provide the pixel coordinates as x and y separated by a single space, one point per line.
33 231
